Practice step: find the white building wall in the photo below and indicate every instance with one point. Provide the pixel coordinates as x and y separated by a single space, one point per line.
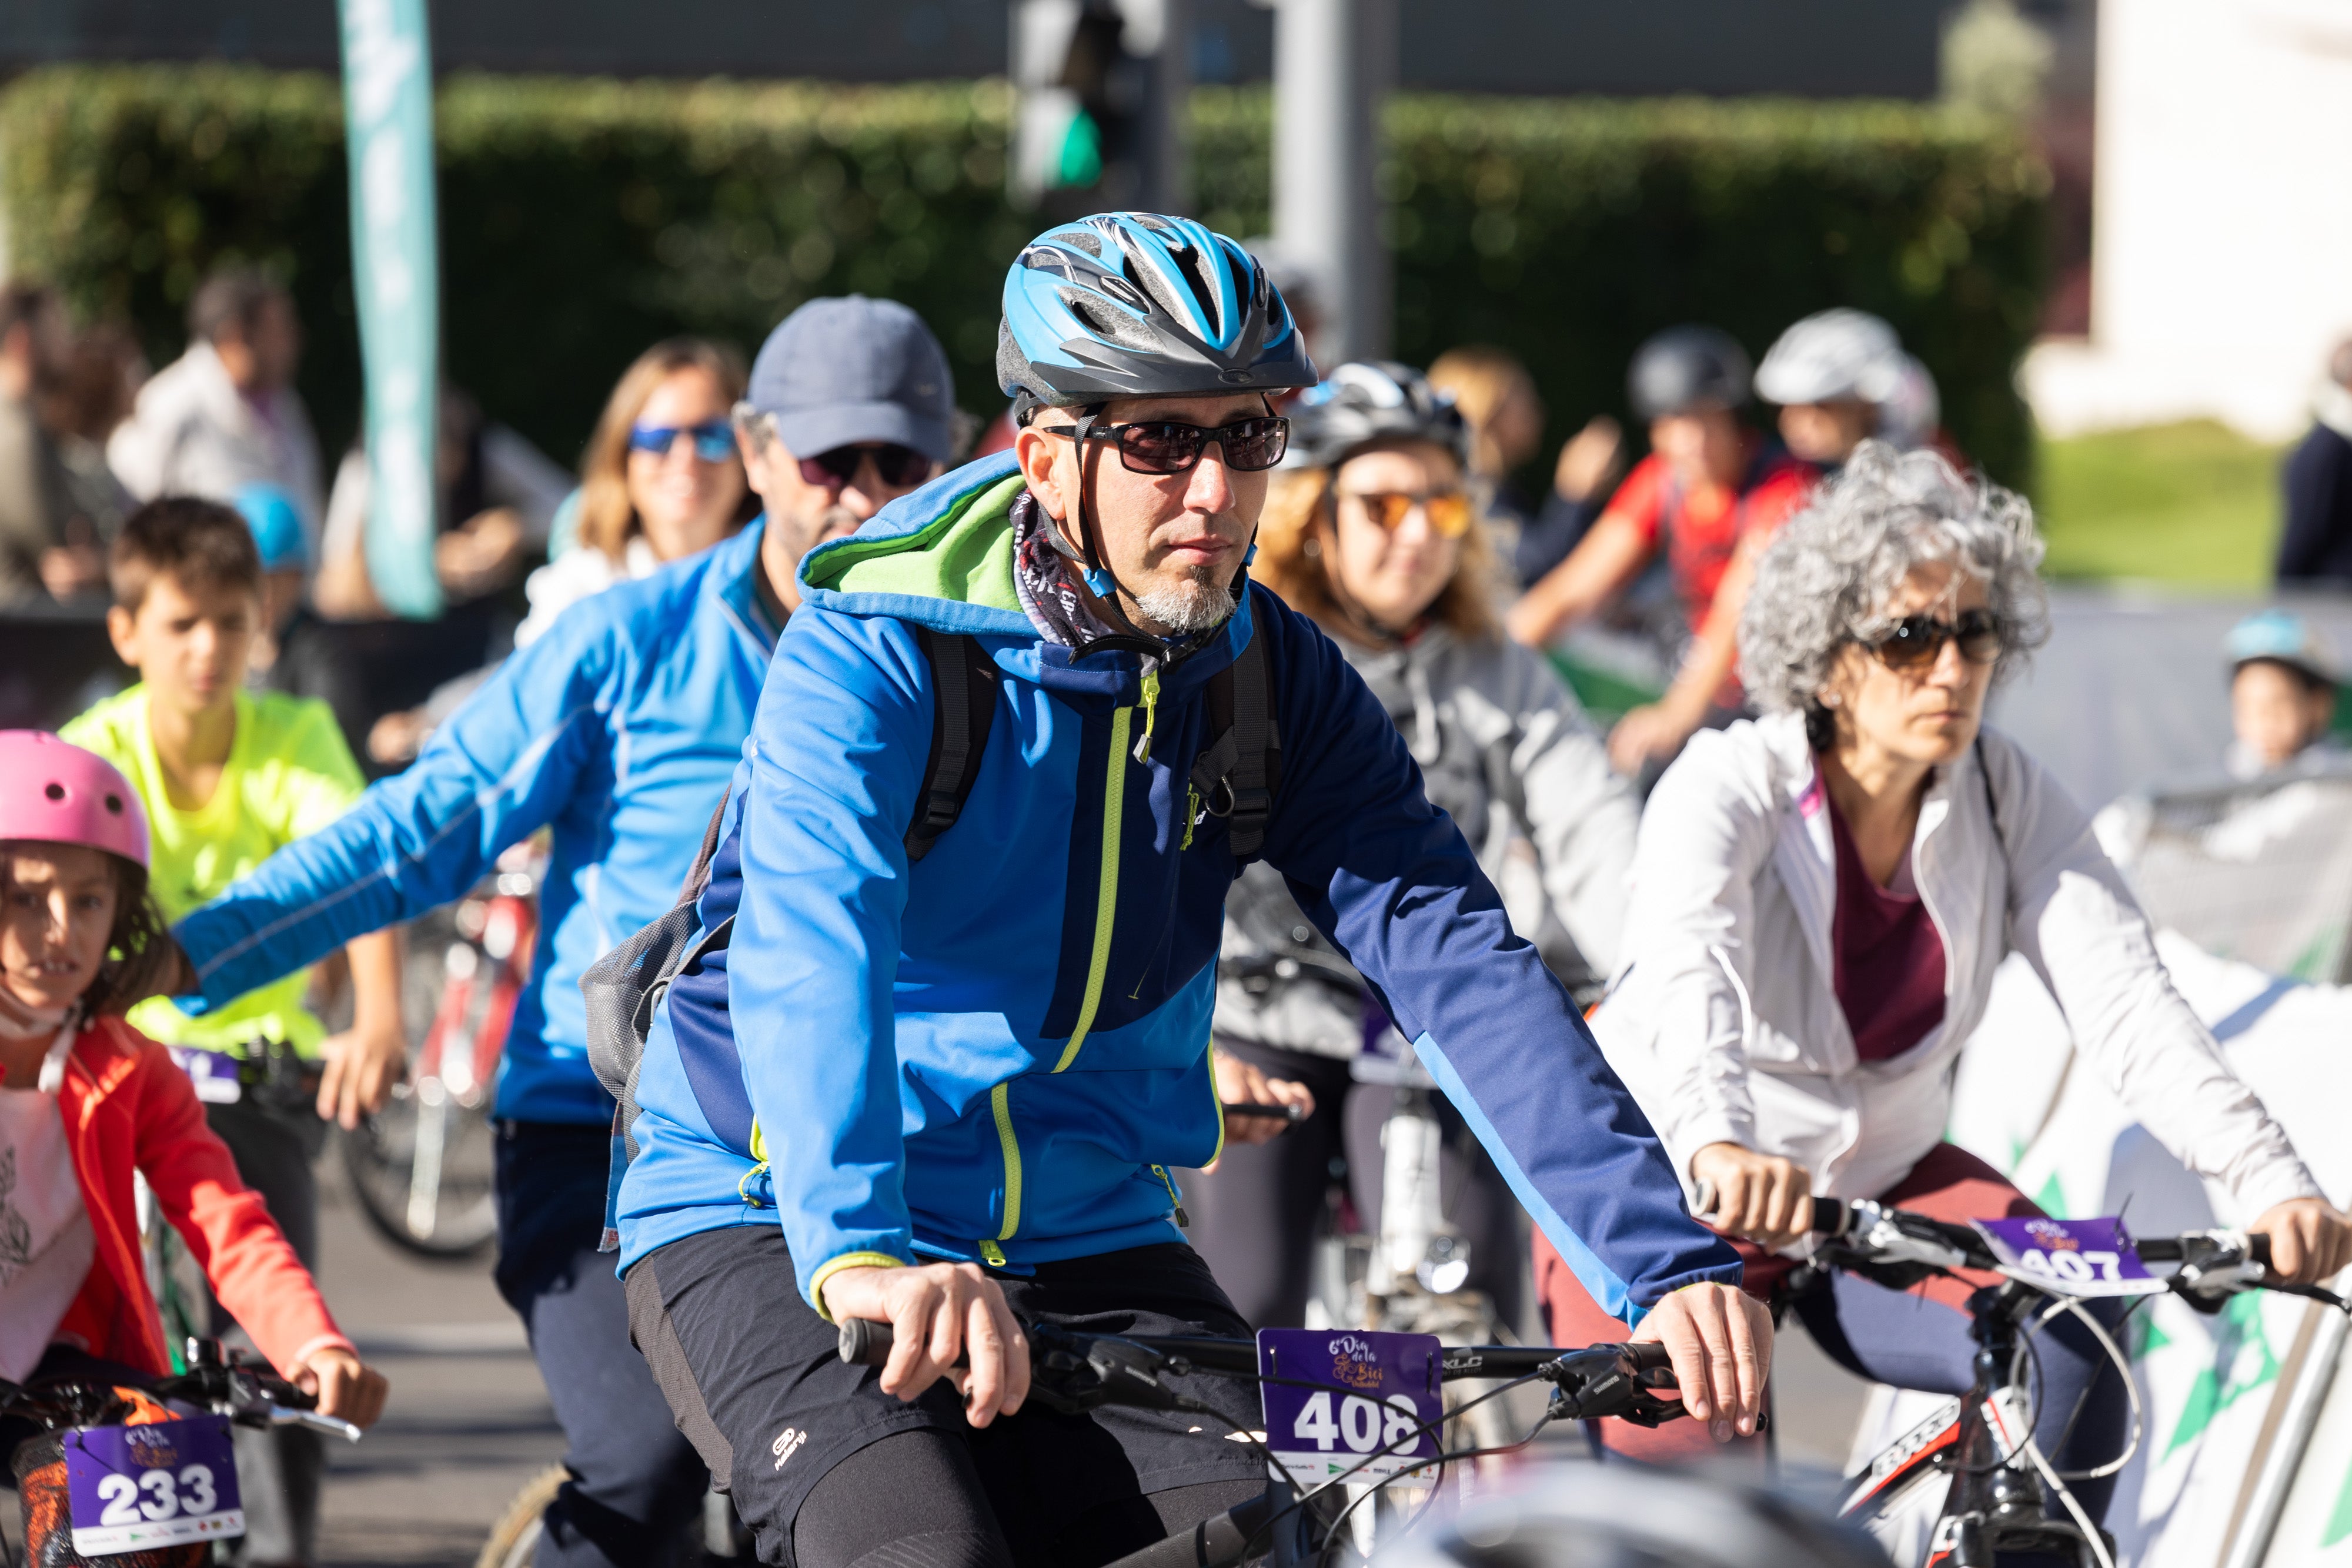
2222 246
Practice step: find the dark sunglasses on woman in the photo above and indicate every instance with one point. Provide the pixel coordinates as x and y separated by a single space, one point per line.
1165 446
900 468
1916 641
714 439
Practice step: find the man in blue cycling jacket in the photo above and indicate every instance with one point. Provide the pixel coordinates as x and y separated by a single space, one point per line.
618 729
947 1092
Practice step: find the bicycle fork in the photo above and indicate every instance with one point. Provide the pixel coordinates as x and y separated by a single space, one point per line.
1996 1503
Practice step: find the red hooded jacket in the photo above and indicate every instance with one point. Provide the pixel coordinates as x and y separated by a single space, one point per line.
127 1107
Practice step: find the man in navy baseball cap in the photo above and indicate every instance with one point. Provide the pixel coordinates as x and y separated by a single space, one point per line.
851 406
619 730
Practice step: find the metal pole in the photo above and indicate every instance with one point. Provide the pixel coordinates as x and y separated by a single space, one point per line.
1333 63
1160 31
2305 1393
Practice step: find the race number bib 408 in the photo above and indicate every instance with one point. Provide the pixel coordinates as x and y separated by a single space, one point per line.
1350 1402
134 1489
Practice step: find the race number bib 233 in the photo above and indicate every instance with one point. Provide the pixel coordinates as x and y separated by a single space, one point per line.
134 1489
1350 1402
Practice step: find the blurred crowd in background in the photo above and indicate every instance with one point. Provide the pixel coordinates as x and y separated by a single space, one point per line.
1629 554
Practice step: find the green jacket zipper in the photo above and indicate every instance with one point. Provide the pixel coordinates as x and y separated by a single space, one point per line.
1122 722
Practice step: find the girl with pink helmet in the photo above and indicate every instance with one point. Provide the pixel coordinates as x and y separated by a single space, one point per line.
87 1101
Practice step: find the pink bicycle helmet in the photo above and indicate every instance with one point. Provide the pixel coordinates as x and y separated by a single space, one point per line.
53 791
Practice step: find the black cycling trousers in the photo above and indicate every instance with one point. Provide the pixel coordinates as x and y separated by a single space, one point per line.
755 1380
941 1517
1256 1216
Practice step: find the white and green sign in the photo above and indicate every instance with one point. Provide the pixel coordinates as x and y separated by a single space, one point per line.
388 114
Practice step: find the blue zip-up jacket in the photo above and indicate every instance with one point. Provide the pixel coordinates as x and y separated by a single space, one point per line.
998 1052
619 730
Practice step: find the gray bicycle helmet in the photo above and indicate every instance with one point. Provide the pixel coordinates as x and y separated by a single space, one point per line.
1631 1516
1139 305
1368 401
1685 368
1831 355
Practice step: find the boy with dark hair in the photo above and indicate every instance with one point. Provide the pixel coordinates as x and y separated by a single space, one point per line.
227 776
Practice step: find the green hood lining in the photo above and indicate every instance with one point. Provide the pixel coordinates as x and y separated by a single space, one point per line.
965 555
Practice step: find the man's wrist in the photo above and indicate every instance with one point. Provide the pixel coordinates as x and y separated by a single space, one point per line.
844 1264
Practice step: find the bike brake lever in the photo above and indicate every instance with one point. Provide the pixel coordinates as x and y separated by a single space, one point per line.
282 1416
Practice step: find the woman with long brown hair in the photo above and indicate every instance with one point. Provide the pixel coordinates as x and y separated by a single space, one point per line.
1377 532
661 479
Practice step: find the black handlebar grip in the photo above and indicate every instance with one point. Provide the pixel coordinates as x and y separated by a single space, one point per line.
1831 1215
1648 1355
2258 1247
864 1342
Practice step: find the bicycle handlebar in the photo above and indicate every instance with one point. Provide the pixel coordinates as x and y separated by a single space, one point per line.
868 1343
248 1395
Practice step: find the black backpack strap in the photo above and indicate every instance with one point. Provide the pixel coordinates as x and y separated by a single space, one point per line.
700 877
963 705
1238 773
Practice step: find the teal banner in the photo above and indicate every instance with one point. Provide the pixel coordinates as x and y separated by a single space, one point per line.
395 260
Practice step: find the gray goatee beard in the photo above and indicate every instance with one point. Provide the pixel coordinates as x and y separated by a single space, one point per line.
1197 604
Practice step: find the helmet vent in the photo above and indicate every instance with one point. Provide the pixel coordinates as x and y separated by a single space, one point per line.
1112 324
1079 239
1193 267
54 791
114 803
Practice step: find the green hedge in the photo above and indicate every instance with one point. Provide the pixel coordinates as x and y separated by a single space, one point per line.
582 219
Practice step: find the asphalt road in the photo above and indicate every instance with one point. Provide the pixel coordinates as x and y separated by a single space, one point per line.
468 1423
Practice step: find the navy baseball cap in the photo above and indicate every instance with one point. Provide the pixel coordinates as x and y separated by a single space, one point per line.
836 372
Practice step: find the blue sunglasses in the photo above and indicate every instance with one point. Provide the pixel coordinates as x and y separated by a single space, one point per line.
714 441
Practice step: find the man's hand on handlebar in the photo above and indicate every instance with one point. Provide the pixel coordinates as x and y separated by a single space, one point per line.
1721 1342
940 1315
1763 1197
345 1386
2310 1242
1240 1083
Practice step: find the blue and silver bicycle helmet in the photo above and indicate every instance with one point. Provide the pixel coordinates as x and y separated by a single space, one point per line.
1139 305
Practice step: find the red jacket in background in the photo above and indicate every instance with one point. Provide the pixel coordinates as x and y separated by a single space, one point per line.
127 1107
1700 527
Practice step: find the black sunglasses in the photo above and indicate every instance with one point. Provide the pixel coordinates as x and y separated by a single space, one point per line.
900 468
1165 446
1916 641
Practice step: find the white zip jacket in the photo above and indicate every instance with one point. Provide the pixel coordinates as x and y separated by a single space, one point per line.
1724 1023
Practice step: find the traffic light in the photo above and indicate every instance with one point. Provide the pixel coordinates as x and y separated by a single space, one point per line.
1102 84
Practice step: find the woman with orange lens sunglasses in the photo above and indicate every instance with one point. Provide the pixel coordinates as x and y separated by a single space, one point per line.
1373 528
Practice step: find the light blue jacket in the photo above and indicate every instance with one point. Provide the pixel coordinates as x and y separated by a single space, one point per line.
998 1052
617 729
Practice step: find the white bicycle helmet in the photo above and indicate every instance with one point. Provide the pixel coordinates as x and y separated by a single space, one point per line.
1831 355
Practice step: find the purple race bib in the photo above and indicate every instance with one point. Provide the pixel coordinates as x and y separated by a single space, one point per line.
1362 1414
214 1072
134 1489
2071 1257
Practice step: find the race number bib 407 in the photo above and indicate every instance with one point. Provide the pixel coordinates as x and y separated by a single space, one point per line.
1352 1403
2071 1257
134 1489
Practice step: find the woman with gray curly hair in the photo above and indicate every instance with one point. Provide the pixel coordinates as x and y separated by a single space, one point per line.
1820 897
